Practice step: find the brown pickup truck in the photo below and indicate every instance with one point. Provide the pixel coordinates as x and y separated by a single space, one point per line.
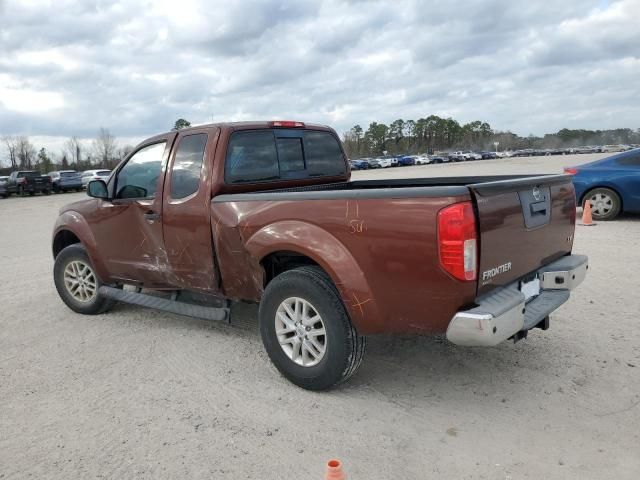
266 212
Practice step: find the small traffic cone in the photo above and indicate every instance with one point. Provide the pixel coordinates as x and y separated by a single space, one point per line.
587 220
334 471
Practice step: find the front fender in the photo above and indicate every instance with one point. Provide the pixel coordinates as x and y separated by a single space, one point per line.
328 252
75 223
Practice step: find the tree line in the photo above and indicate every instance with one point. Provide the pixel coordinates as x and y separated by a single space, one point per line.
436 134
103 152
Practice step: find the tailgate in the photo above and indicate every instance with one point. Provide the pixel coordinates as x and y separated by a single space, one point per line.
523 224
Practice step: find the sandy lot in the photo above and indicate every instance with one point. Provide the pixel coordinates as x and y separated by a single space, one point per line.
141 394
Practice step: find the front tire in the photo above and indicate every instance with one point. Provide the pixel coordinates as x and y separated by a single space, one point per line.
306 330
605 203
77 283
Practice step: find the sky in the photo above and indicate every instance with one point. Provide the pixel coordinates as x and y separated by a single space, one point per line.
134 67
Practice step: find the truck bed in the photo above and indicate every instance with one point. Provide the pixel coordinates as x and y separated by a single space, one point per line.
429 187
387 229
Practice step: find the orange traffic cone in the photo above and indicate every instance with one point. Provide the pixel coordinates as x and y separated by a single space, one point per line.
334 471
587 220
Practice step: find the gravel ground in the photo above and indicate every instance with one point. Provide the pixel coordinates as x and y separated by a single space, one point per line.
141 394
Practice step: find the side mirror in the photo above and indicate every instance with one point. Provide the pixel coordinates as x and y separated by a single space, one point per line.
132 191
97 189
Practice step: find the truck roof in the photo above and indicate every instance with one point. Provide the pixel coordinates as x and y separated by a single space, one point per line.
248 125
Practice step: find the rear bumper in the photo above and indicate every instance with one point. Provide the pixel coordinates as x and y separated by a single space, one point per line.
503 313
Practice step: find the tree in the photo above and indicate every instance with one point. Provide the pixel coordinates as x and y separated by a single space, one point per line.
74 149
181 123
25 152
104 147
12 148
376 137
44 162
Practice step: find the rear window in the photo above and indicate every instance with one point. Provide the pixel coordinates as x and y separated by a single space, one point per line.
103 173
29 174
69 174
290 154
267 155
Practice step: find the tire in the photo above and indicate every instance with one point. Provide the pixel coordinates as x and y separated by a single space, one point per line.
605 203
92 305
343 347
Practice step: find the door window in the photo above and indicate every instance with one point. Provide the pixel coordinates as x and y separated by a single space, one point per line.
630 160
139 177
185 173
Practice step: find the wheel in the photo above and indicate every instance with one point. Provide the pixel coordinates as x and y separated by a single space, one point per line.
32 193
605 203
306 330
77 283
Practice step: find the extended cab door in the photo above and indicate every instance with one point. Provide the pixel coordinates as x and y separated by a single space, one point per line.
128 227
186 215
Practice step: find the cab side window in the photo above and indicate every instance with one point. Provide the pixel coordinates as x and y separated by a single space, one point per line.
185 173
139 177
252 157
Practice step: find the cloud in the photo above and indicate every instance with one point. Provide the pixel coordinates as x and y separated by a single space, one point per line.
70 67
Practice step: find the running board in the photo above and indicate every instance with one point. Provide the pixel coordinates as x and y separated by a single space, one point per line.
180 308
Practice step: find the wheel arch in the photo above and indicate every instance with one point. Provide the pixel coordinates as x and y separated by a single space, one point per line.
72 228
295 243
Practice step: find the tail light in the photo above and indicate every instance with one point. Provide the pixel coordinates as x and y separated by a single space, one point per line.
457 241
571 171
287 124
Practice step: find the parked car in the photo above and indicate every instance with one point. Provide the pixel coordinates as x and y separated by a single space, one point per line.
28 181
457 157
200 229
359 164
612 185
423 160
406 160
386 162
89 175
3 187
374 163
65 181
613 148
439 158
488 155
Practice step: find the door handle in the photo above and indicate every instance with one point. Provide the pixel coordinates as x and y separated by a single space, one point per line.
152 216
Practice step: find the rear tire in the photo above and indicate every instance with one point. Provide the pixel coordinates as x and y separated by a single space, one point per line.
605 203
337 353
77 283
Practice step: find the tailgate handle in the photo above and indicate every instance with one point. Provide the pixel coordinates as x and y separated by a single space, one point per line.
538 208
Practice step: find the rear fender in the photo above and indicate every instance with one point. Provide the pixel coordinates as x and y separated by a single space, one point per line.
334 258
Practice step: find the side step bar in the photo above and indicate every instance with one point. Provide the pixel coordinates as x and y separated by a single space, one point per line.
180 308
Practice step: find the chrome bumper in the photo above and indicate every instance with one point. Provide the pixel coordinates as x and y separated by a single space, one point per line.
503 313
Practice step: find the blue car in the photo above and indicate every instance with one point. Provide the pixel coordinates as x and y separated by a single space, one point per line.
359 164
406 160
612 184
